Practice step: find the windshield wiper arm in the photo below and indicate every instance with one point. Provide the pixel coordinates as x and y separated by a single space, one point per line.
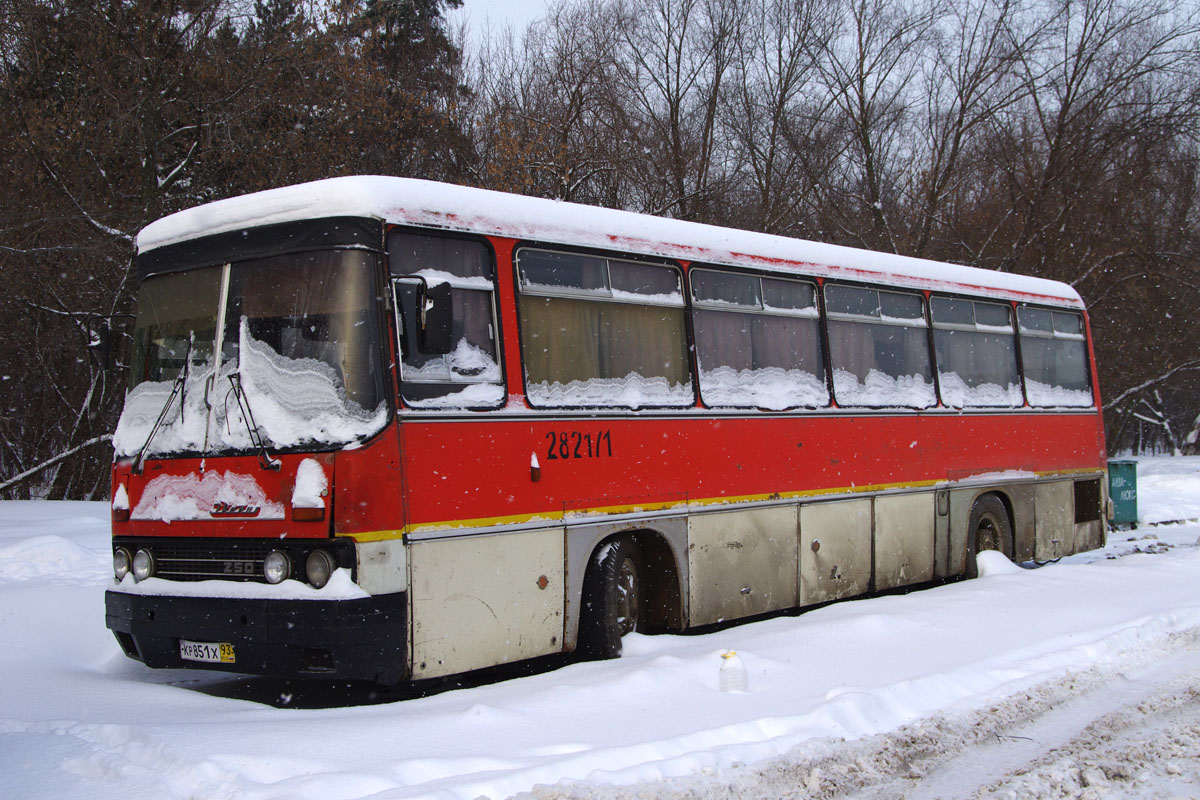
178 387
265 459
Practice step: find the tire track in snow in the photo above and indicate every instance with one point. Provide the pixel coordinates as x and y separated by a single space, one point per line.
1126 729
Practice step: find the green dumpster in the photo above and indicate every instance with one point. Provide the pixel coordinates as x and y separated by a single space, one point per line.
1122 491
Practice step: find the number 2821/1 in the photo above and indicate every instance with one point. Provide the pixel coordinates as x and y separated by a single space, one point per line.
577 444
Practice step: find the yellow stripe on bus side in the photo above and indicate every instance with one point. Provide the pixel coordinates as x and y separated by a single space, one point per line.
372 536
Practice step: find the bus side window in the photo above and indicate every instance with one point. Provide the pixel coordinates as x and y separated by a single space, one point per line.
598 331
758 341
1054 357
879 348
976 349
469 376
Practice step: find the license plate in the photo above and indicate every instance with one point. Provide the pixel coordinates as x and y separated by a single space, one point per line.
207 652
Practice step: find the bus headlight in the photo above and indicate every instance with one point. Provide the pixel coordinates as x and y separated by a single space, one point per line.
277 567
319 567
143 565
122 562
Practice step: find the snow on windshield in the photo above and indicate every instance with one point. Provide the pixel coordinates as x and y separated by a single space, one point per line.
292 400
184 424
296 400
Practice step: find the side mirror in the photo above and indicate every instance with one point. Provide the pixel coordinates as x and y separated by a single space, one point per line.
437 320
100 340
426 316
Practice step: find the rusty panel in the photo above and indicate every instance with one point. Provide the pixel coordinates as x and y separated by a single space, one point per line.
1089 535
835 550
941 539
903 539
1055 512
382 566
741 563
484 600
1023 498
961 501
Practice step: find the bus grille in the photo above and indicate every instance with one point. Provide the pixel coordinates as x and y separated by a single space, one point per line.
195 561
231 559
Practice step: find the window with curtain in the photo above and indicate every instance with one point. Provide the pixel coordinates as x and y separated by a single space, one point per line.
879 348
758 341
1054 357
976 348
469 376
598 332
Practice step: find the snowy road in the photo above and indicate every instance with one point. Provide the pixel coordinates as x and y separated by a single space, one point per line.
1128 729
1076 679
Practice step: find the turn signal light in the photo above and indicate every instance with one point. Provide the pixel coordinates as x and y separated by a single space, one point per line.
308 514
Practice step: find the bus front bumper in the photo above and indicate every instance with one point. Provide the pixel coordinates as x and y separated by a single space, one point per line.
359 639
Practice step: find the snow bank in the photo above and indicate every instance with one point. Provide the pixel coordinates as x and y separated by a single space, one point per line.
1168 489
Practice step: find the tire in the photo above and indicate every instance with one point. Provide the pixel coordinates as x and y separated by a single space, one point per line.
989 529
613 592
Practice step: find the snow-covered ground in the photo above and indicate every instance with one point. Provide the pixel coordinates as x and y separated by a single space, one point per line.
1075 679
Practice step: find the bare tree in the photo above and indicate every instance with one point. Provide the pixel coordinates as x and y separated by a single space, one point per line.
548 117
780 125
1094 177
966 82
1102 72
675 58
868 68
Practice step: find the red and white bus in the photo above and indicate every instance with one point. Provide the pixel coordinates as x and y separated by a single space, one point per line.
387 429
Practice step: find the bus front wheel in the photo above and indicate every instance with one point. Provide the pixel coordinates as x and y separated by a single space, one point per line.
989 529
612 598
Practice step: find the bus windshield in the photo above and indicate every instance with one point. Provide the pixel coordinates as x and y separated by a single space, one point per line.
299 337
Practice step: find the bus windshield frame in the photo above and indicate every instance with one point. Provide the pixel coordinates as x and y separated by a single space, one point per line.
300 340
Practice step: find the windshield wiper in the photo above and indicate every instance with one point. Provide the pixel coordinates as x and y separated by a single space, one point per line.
265 459
178 387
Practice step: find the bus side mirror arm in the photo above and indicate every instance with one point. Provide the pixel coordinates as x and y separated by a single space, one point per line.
107 339
100 341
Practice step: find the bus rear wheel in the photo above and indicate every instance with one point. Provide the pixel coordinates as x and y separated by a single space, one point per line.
989 529
612 599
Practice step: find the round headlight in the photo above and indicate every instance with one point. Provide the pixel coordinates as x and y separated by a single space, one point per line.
277 567
122 562
143 565
319 567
